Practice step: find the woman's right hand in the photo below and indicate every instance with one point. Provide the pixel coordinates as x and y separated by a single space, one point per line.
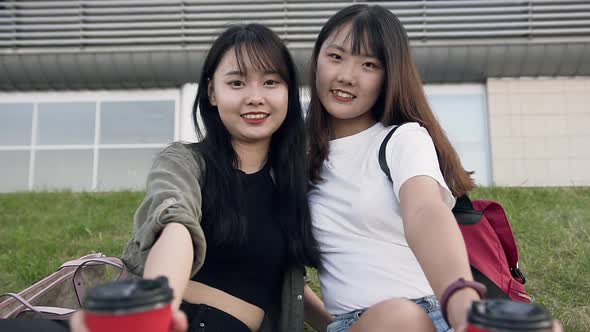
179 322
315 313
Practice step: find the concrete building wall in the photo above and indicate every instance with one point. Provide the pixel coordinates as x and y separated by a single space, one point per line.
540 131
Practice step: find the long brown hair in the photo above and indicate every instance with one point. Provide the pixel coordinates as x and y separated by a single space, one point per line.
402 97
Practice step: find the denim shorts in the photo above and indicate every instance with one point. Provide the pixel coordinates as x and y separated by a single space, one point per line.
342 323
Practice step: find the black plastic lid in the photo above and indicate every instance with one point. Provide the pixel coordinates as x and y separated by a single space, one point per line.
128 295
510 315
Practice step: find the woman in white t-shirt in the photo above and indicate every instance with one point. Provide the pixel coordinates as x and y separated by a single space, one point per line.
390 249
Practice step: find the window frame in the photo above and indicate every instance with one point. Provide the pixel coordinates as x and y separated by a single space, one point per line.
97 97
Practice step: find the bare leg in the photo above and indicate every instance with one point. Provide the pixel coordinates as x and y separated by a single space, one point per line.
394 315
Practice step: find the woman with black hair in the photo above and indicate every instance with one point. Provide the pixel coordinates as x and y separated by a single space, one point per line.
226 220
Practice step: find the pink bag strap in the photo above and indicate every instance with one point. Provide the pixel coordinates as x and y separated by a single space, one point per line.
55 312
114 261
77 279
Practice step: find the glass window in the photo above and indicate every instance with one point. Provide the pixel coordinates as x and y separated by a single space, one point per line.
463 116
83 141
16 121
120 169
15 171
63 169
137 122
66 123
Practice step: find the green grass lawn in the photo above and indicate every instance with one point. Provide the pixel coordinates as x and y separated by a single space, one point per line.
39 231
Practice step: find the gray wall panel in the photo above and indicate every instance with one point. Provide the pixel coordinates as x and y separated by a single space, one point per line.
532 61
573 53
584 66
512 66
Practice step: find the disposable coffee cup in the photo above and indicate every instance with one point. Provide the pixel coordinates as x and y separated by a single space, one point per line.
129 305
508 316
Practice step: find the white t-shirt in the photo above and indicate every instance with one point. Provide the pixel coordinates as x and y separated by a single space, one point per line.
357 218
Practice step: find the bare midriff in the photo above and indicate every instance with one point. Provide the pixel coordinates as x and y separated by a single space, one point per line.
247 313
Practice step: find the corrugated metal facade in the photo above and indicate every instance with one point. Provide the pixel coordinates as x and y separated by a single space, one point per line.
149 43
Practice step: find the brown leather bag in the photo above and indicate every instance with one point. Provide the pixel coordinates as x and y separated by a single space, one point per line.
60 294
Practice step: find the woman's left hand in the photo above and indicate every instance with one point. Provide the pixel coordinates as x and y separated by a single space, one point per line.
77 322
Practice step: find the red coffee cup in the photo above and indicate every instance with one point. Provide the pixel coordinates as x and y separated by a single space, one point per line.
129 305
508 316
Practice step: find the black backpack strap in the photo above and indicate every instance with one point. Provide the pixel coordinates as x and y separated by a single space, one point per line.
382 148
493 291
464 211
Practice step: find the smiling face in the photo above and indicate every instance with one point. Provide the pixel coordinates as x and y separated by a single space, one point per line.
252 103
348 85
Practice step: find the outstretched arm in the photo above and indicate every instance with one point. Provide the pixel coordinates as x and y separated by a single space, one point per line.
434 237
172 257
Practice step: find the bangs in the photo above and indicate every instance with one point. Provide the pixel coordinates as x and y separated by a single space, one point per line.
260 55
365 37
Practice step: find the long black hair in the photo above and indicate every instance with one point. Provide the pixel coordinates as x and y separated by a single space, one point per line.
221 193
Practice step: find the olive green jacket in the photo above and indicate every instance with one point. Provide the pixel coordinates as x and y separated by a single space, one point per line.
173 194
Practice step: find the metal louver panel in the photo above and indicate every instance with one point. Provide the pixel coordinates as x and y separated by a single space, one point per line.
96 44
102 24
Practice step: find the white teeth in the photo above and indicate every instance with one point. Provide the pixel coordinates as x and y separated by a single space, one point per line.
342 94
254 116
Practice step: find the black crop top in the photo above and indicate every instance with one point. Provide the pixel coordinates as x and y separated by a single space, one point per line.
253 271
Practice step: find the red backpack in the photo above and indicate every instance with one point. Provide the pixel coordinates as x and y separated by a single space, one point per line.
490 243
